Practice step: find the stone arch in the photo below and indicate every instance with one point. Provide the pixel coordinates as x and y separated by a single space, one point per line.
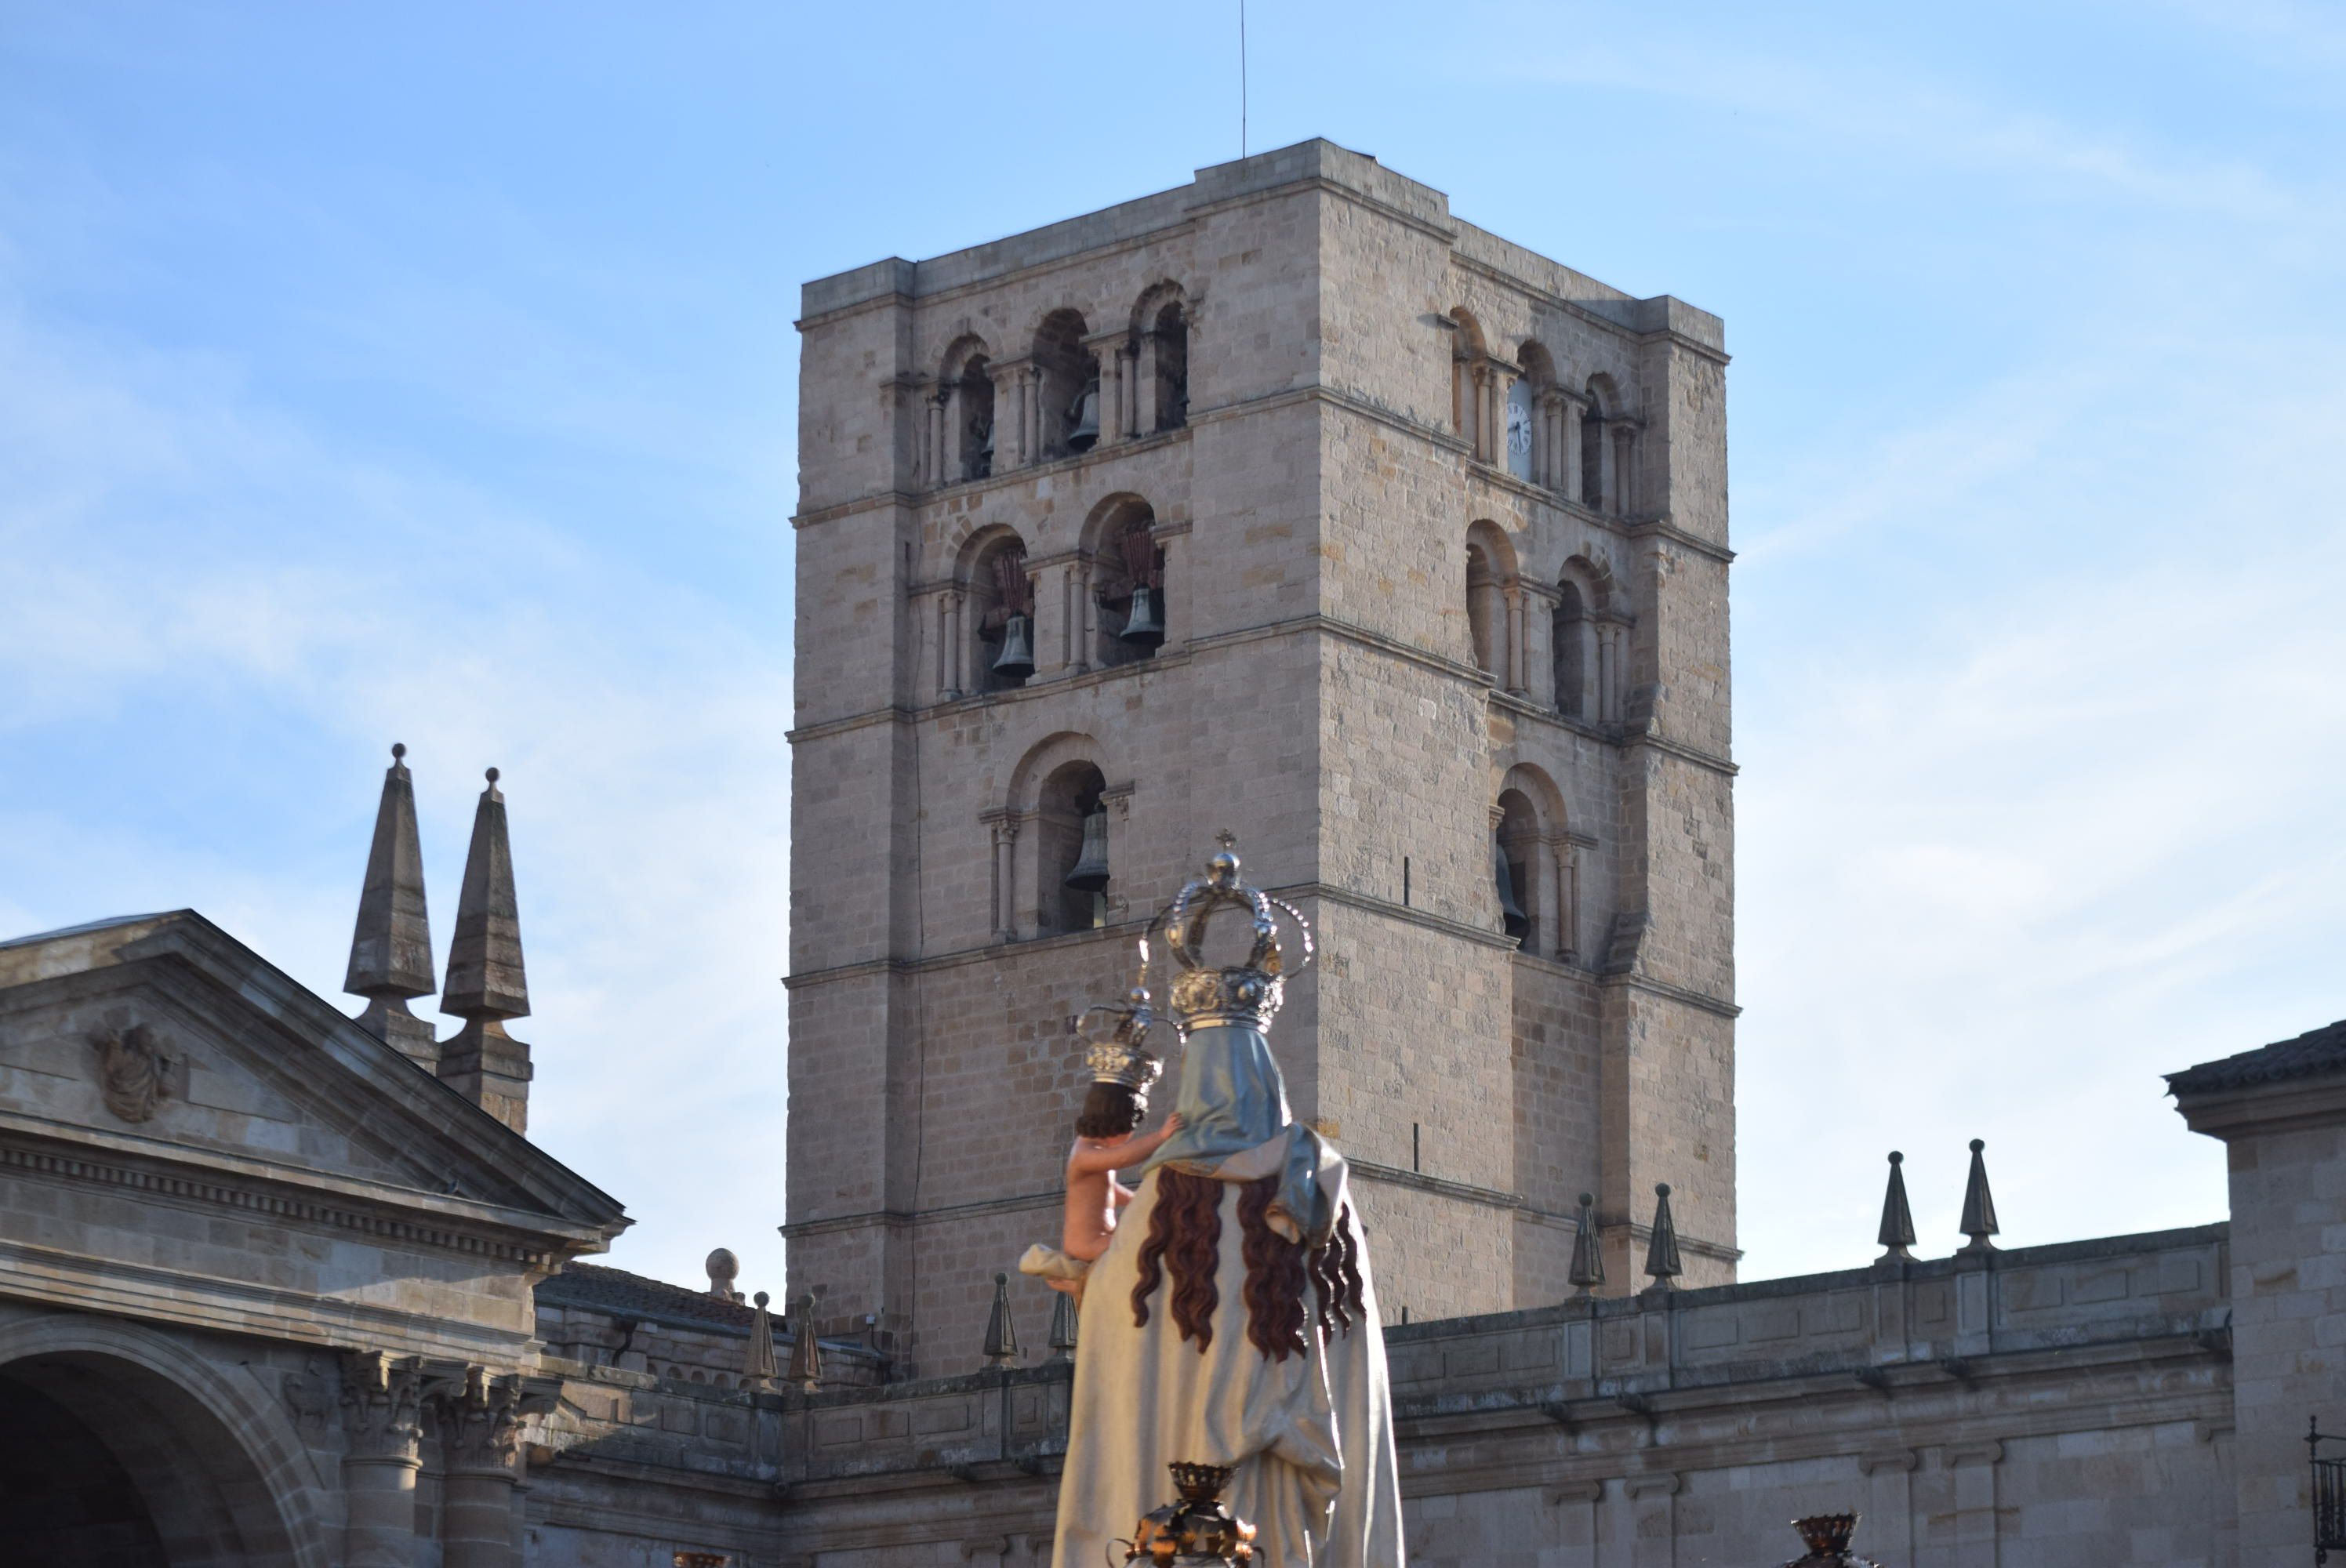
1118 535
1491 585
1588 639
1160 331
1470 373
1534 842
989 584
965 389
1060 781
1068 371
219 1472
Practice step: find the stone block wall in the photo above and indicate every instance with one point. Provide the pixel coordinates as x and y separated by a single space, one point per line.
1321 691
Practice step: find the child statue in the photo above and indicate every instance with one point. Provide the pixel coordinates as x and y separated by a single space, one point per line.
1107 1141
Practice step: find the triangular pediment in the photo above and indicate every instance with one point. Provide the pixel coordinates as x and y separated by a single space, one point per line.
164 1040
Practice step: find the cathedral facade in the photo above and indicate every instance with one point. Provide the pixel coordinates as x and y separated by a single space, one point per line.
1283 502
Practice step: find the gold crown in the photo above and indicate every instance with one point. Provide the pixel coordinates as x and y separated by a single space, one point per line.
1123 1057
1247 995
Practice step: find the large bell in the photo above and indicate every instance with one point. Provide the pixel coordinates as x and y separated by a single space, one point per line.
1016 659
1511 913
1089 873
1143 628
1083 433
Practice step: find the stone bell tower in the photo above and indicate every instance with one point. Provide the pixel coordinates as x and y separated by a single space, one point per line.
1286 502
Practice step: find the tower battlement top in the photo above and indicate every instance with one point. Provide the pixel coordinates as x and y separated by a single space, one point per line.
1317 162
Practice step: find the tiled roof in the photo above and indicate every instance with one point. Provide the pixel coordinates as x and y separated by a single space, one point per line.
614 1290
2316 1051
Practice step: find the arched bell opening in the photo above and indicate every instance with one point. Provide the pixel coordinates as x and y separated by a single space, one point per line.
1570 638
1073 848
1069 411
1170 334
1129 588
1514 870
973 402
1001 617
108 1463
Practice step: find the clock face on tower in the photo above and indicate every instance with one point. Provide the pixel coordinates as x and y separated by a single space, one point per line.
1519 429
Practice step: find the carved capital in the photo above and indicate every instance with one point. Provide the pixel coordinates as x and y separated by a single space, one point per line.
381 1405
480 1420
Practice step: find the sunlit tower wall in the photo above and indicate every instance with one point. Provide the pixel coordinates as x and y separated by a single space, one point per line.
1436 530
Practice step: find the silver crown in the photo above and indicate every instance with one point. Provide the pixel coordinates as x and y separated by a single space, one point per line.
1247 995
1123 1058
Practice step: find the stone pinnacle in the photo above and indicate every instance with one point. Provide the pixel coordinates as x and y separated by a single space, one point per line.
391 946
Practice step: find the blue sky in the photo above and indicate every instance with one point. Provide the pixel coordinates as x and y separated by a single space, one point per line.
427 374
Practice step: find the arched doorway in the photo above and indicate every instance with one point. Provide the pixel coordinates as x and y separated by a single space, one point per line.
107 1463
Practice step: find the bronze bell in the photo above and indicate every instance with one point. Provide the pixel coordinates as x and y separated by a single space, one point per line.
1089 874
1142 626
1511 913
1017 661
1200 1529
1083 416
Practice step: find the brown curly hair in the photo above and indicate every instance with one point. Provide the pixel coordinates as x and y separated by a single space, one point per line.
1185 1234
1185 1237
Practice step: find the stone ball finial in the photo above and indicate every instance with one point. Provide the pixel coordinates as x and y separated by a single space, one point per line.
398 751
1589 1200
1896 1158
761 1298
1978 1144
723 1269
491 775
1661 1189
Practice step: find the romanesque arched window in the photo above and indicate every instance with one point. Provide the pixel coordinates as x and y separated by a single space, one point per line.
1000 615
1471 414
1072 849
1516 865
1068 410
1569 641
1169 338
1128 585
963 436
1494 629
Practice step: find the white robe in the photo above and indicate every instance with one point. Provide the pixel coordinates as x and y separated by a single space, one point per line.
1312 1435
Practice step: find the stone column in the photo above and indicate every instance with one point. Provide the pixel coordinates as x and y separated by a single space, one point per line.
1602 458
1568 901
1005 841
1110 353
480 1429
1145 411
1515 641
946 692
1624 468
1009 404
1031 446
1608 660
940 425
956 646
1079 615
1573 411
1539 649
381 1431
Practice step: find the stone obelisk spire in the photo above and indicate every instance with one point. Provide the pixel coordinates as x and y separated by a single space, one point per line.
486 984
390 950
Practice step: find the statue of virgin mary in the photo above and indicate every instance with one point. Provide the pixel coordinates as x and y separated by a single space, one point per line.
1232 1319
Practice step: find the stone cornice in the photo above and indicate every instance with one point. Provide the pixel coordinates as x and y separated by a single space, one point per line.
115 1288
993 280
1328 187
1582 313
208 1178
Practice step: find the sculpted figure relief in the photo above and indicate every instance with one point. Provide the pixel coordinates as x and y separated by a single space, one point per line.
1230 1319
133 1073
